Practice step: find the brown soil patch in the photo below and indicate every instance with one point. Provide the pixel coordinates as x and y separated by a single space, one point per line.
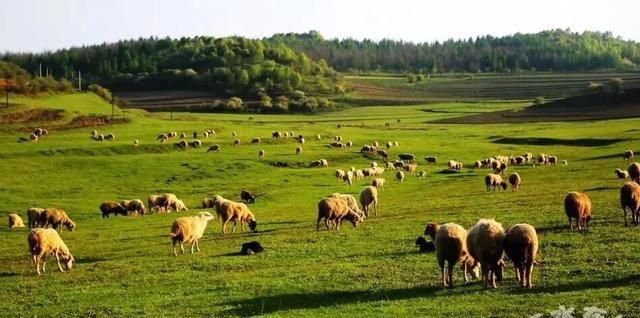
32 115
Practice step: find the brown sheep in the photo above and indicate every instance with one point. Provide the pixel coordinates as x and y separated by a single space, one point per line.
634 172
627 155
451 246
495 181
15 221
515 180
485 243
111 207
228 210
189 229
630 198
333 210
44 242
33 214
521 246
369 199
578 206
55 218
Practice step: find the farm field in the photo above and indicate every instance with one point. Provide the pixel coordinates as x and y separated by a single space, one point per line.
124 264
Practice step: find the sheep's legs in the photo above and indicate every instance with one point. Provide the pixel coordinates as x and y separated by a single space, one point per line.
192 245
242 229
36 262
450 273
528 272
44 264
570 224
517 273
173 248
444 277
375 206
633 216
326 223
58 260
233 228
224 227
197 246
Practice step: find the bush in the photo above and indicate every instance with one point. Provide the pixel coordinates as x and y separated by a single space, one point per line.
594 88
615 85
538 100
411 78
101 91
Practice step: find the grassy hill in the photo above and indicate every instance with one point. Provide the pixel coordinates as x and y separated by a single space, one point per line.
124 267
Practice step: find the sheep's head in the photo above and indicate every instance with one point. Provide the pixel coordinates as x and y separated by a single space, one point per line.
503 184
354 217
68 260
206 215
472 266
252 225
431 229
70 225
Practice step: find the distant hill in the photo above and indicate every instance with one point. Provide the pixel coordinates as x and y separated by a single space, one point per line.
583 107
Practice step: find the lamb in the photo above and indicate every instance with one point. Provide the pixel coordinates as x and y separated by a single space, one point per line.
44 242
521 246
189 229
15 221
455 165
495 181
630 197
399 176
255 141
358 174
33 138
207 203
622 174
634 172
215 147
369 199
477 164
378 183
431 159
111 207
33 214
55 218
485 242
247 197
421 174
261 154
301 141
298 150
333 210
515 180
318 137
134 206
228 211
577 206
450 242
183 135
627 155
234 134
564 163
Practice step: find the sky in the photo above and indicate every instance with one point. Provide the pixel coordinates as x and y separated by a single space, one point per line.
39 25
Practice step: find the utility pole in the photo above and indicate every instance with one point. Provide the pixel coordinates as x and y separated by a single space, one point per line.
6 87
80 84
40 70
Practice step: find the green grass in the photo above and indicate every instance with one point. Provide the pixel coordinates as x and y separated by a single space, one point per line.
124 267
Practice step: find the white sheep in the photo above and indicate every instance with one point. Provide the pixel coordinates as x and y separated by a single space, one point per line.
399 176
622 174
485 243
298 150
261 154
44 242
348 177
340 174
369 199
15 221
189 229
378 183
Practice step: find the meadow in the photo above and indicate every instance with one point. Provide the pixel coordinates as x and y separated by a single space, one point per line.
125 267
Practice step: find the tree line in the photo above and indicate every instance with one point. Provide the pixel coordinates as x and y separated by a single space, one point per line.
553 50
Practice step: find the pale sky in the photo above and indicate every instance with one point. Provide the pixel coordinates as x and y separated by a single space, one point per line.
38 25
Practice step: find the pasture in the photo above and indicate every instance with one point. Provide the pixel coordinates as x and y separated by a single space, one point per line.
124 264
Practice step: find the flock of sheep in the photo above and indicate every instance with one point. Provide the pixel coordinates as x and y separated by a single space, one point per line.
482 247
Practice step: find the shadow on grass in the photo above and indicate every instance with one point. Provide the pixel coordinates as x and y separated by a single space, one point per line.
89 260
583 142
601 189
611 156
8 274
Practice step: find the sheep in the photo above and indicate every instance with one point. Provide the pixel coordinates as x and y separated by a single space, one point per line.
195 143
234 134
399 176
383 154
407 157
634 172
318 137
455 165
162 138
369 200
134 206
228 210
495 181
100 137
136 142
477 164
110 137
358 174
564 163
521 246
376 144
389 144
184 135
155 203
215 147
411 168
431 159
179 206
189 229
301 141
15 221
37 132
236 143
247 197
286 135
340 174
333 210
378 183
276 135
181 144
351 202
627 155
348 177
450 243
111 207
424 245
44 242
577 206
421 174
207 203
543 159
261 154
630 197
515 180
622 174
553 160
373 164
34 215
395 144
398 164
485 243
298 150
33 138
255 141
55 218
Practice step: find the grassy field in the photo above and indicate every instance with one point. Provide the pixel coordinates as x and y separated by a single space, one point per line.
125 269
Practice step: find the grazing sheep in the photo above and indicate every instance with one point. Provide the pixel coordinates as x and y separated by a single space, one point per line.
207 203
276 135
348 177
543 159
378 183
162 138
431 159
477 164
358 174
495 181
407 157
351 202
228 210
399 176
44 242
111 207
100 137
340 174
564 163
155 203
234 134
455 165
136 142
184 135
450 242
622 174
251 248
333 210
627 155
134 206
179 206
298 150
515 180
318 137
630 198
577 206
195 134
181 144
33 138
189 229
195 143
369 200
15 221
110 137
424 246
421 174
521 246
55 218
301 141
411 168
485 242
247 197
634 172
34 215
215 147
373 164
236 143
553 160
261 154
255 141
